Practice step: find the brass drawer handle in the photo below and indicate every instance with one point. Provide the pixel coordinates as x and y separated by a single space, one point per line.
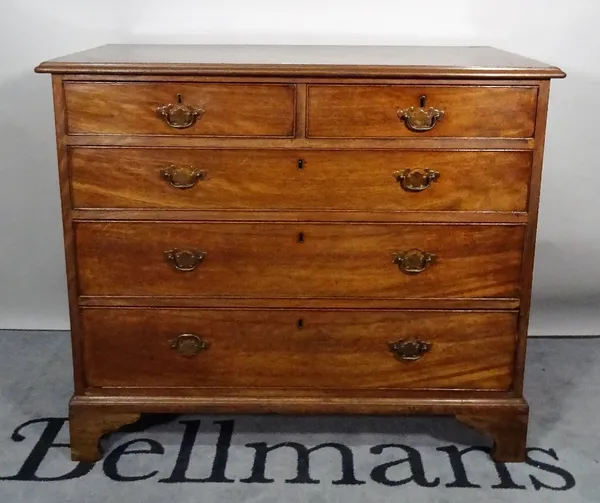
421 119
185 260
409 350
416 181
413 261
179 116
189 345
182 177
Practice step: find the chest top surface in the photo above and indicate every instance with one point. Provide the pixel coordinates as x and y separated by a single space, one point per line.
287 60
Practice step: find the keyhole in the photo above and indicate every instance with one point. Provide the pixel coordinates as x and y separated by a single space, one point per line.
301 237
422 101
300 164
179 98
300 323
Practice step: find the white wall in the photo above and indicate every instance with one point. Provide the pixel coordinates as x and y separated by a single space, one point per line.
567 275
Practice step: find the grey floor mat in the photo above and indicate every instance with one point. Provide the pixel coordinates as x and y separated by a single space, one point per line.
562 382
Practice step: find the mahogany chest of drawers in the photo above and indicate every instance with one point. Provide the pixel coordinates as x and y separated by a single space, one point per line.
299 230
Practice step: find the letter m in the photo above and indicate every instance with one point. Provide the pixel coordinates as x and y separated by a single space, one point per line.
303 471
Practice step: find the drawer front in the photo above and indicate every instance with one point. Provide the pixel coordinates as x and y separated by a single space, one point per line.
385 111
312 349
299 260
205 109
325 180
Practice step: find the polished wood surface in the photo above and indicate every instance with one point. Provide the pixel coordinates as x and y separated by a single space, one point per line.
509 432
122 405
355 303
300 142
88 424
266 260
530 241
301 274
312 60
299 180
372 111
229 109
67 221
346 350
302 401
302 216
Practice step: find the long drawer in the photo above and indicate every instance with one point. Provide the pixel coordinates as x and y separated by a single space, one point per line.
282 260
296 349
389 111
188 109
299 180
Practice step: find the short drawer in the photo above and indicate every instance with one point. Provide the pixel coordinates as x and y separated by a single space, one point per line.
180 109
300 180
298 349
411 111
282 260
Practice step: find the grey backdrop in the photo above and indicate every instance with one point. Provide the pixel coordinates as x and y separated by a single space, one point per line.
567 274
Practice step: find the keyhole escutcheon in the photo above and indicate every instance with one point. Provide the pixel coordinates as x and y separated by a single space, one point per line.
300 238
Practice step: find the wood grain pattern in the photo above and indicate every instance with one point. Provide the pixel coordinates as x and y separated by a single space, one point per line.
336 109
68 239
530 241
313 60
229 109
346 350
265 260
327 180
88 424
301 401
404 143
356 303
509 432
97 413
301 216
371 111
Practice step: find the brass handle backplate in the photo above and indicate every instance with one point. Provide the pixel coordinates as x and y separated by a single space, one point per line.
182 177
416 181
185 260
179 115
189 345
413 261
420 119
409 350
